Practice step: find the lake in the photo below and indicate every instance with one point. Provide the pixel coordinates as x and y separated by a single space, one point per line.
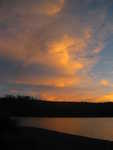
101 128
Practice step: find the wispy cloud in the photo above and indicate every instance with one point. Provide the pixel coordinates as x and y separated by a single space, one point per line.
51 8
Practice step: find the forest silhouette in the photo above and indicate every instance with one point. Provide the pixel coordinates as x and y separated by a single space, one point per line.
29 106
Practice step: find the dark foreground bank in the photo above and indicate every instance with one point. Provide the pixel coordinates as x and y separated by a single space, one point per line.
23 138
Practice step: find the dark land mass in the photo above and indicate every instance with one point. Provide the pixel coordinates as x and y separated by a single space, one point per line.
30 107
26 138
13 137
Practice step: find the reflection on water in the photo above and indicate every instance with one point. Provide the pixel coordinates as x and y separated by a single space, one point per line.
92 127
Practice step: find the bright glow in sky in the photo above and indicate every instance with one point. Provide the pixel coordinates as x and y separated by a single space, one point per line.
57 49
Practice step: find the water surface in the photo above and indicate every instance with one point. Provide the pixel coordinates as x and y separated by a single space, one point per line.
92 127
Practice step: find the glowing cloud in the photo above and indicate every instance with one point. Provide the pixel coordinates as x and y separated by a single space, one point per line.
51 7
58 44
106 97
58 56
105 83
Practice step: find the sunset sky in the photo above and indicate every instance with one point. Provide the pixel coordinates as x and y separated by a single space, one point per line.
57 49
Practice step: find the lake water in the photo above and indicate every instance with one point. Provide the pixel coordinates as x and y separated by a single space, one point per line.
101 128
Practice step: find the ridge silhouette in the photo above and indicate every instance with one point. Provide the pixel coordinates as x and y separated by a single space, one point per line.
29 106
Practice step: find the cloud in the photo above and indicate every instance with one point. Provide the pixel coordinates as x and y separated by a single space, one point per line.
53 43
105 83
106 97
58 56
32 7
51 7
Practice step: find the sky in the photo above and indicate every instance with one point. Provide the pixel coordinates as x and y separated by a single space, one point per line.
58 50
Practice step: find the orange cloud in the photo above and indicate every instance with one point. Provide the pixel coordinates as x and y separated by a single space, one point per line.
66 54
48 96
106 97
58 81
60 54
59 51
105 83
51 7
69 96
